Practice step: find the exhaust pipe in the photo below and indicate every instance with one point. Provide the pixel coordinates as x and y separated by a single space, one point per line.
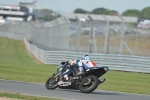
102 80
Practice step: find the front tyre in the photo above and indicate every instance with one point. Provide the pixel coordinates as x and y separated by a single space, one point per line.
51 82
89 84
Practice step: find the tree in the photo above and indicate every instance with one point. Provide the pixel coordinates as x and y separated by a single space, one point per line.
46 14
132 12
79 10
145 13
113 12
100 11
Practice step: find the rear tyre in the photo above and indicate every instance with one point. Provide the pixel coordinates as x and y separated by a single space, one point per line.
51 82
89 84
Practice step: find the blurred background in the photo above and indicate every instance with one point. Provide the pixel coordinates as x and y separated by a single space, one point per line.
37 35
79 26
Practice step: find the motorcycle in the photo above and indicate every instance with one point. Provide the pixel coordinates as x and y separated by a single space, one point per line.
86 83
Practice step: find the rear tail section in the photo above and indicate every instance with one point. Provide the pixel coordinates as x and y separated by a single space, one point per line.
97 71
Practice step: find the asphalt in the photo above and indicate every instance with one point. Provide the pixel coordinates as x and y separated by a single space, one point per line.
36 89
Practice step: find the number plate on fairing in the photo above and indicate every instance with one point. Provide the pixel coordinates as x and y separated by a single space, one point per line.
66 84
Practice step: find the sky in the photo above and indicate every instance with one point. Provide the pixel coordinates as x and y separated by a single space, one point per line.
68 6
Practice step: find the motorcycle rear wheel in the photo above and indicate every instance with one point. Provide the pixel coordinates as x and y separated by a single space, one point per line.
51 82
89 84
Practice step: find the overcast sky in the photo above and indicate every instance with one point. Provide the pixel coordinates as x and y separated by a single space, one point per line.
68 6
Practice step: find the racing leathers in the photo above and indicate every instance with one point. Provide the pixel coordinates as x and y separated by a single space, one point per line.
79 69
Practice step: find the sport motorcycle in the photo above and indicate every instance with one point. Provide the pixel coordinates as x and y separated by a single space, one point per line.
86 83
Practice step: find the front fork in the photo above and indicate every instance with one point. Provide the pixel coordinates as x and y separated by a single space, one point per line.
56 77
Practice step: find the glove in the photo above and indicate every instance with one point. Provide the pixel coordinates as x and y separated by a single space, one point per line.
67 61
71 63
62 63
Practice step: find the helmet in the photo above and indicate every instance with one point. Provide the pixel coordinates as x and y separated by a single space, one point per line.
86 57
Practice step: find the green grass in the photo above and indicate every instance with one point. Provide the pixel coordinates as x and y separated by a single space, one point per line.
126 82
16 64
24 97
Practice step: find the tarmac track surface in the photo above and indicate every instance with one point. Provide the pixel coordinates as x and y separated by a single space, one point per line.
36 89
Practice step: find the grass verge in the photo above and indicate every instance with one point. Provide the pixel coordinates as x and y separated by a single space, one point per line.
16 64
24 97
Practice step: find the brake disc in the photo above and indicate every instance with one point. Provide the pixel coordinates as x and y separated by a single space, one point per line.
87 81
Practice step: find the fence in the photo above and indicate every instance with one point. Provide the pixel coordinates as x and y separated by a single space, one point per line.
12 36
48 36
52 42
108 35
114 62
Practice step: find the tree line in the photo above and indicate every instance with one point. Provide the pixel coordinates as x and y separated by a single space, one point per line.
143 14
48 14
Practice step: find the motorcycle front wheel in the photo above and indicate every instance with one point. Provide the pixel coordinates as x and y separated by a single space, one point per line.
89 84
52 81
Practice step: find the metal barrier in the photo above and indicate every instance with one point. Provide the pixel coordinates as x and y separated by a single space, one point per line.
114 62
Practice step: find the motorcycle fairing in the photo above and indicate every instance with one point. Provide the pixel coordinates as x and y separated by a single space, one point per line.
97 71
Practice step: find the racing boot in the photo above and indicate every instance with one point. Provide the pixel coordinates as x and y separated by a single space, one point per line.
80 74
81 71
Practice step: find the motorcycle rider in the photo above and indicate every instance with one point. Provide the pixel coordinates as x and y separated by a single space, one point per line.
79 62
77 66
